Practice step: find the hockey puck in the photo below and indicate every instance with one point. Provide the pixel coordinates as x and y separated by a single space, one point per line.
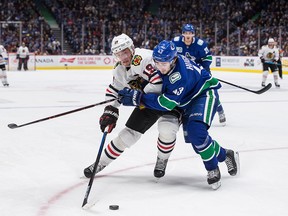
114 207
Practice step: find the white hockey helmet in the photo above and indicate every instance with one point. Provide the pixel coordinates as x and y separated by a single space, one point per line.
122 42
271 40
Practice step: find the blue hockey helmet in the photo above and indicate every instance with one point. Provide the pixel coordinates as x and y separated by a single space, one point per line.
165 51
188 28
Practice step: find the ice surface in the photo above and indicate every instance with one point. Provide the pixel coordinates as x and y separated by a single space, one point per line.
41 164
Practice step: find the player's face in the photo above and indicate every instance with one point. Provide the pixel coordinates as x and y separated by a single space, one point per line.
188 37
125 57
271 44
163 67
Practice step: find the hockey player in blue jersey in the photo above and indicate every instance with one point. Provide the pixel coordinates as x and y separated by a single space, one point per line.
197 50
191 88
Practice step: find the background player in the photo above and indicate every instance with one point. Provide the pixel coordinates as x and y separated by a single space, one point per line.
269 55
3 60
197 50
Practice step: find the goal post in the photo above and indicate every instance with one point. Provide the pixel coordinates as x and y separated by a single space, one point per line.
13 62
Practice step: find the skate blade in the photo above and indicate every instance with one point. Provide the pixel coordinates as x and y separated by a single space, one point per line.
223 124
237 160
216 185
157 180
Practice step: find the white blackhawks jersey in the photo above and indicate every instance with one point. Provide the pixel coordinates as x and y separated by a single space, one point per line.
3 54
23 52
269 54
141 66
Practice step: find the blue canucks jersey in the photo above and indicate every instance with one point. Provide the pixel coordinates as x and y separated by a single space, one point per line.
180 86
196 51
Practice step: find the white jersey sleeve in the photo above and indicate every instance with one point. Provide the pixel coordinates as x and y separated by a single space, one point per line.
3 52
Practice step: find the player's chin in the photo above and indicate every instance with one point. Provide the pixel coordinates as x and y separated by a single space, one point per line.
126 63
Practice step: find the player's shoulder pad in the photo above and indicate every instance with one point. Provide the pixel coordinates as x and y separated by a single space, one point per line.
200 42
141 55
136 60
177 38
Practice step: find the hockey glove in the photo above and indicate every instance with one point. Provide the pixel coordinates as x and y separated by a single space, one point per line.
17 56
262 60
109 118
130 97
138 83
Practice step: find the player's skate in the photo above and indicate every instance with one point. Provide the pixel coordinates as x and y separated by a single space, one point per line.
213 178
160 167
6 84
232 162
222 119
263 84
89 170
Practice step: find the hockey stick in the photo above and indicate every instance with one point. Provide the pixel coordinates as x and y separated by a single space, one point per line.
277 64
264 89
13 125
85 201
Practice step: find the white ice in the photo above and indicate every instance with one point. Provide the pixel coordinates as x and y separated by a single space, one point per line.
41 164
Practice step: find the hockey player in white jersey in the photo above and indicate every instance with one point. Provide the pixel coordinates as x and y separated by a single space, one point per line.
3 60
135 69
23 57
269 55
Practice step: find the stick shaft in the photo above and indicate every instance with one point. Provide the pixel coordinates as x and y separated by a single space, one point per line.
85 201
264 89
66 113
277 64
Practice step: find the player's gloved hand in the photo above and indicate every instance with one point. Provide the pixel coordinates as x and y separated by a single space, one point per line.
262 60
130 97
139 83
17 56
109 118
27 57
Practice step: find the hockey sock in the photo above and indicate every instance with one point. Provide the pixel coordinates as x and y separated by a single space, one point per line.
220 109
219 151
111 152
264 76
165 148
275 75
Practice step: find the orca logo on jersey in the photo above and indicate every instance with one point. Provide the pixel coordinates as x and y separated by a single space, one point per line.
136 60
174 77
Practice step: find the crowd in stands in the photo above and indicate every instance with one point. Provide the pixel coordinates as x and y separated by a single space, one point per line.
90 25
36 33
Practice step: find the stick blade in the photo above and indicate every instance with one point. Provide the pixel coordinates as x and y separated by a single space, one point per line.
12 126
266 88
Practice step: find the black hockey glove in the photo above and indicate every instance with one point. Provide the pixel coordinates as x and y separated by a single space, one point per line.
109 118
17 56
138 83
262 60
